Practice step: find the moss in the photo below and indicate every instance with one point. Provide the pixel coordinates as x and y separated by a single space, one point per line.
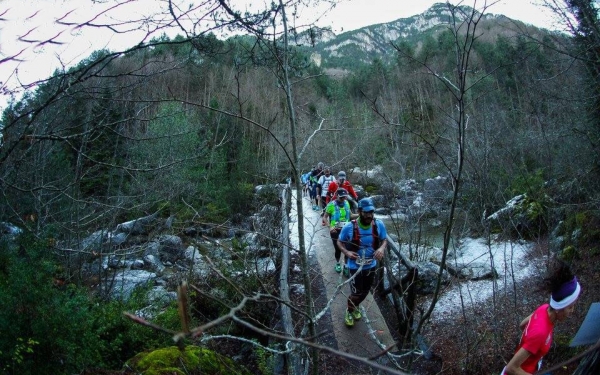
191 360
581 218
563 341
587 224
569 254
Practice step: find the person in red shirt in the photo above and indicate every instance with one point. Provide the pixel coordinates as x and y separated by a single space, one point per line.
343 183
538 327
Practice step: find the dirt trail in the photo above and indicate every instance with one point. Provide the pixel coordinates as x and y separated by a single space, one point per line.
370 335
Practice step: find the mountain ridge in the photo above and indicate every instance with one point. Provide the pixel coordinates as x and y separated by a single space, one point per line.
363 45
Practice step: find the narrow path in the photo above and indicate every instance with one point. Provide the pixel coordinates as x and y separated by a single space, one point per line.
370 335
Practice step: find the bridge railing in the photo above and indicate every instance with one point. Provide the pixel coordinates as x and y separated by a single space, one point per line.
403 292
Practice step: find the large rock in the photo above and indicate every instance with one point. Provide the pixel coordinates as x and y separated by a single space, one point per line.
142 225
191 254
171 248
153 263
103 240
428 274
361 176
199 264
152 248
158 298
265 267
270 194
94 241
472 270
123 282
436 188
9 230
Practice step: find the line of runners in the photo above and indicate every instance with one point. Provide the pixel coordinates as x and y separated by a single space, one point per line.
354 231
362 240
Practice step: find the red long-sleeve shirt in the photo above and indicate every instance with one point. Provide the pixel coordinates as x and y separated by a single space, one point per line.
335 185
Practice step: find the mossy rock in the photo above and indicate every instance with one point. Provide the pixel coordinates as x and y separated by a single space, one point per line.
191 360
569 254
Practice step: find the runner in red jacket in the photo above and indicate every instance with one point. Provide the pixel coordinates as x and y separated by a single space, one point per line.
343 183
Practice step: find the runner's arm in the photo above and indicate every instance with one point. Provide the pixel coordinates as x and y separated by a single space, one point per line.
514 365
378 254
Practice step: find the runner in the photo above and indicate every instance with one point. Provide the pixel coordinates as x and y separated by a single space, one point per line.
304 179
363 242
314 179
342 182
323 184
337 214
538 327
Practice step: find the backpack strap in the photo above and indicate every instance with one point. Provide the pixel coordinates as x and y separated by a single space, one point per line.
375 232
355 243
337 215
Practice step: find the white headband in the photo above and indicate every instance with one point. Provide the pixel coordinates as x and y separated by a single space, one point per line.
565 301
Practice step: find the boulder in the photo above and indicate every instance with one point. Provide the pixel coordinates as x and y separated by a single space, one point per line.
297 289
170 248
9 230
116 239
428 273
123 282
265 267
472 270
142 225
191 254
436 188
94 241
200 266
153 263
158 298
152 248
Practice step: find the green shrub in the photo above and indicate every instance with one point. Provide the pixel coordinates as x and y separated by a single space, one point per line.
120 338
370 189
569 254
58 320
586 224
531 184
61 330
265 360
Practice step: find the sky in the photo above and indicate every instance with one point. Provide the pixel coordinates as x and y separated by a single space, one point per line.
36 21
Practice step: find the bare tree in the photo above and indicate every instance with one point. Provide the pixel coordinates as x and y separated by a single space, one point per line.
449 145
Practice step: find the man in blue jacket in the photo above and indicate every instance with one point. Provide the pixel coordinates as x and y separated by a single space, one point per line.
363 242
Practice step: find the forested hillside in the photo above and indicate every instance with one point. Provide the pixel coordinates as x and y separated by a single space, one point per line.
201 116
186 127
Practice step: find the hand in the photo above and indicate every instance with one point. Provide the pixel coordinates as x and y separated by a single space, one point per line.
378 254
351 254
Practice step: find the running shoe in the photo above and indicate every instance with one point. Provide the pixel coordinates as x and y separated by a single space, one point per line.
349 319
346 272
338 268
356 314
